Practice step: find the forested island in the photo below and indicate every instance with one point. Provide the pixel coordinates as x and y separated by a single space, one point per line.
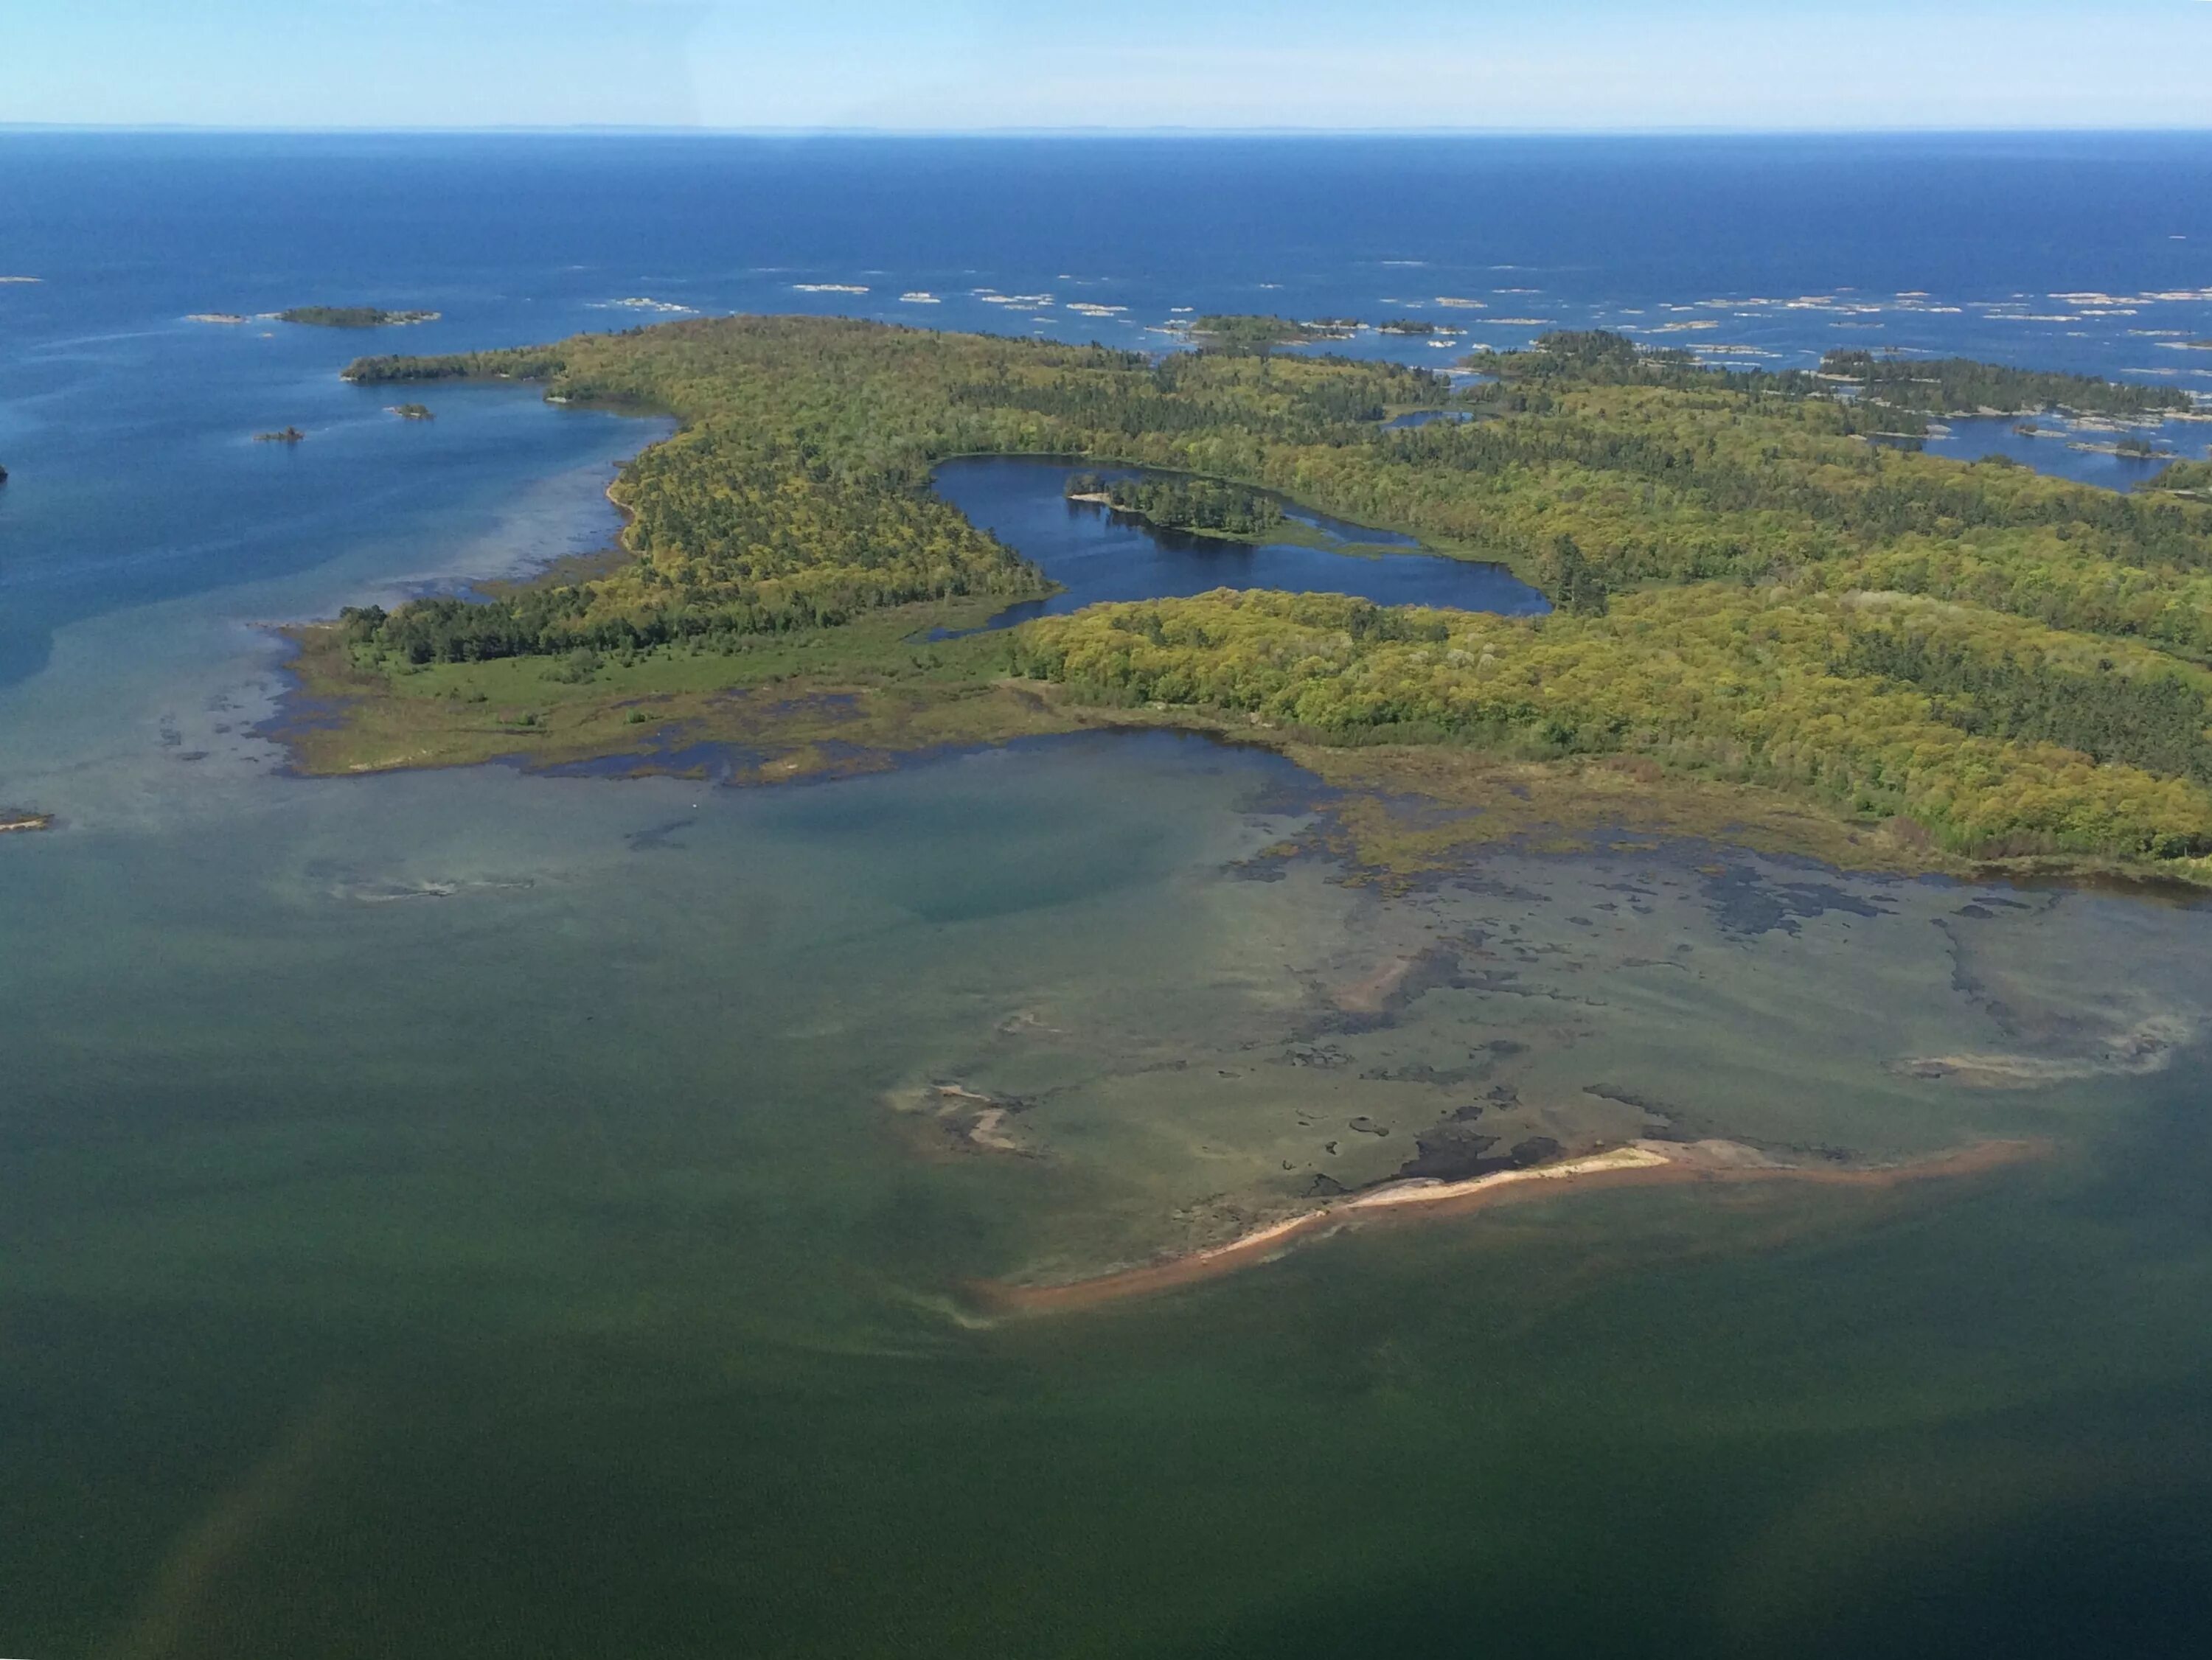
1197 505
1240 334
282 435
1948 662
414 412
1960 386
353 316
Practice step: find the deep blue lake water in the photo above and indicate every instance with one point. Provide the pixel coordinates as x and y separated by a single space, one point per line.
127 428
2071 450
1096 553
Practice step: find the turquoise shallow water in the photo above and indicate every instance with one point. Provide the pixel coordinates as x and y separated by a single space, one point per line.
480 1214
460 1213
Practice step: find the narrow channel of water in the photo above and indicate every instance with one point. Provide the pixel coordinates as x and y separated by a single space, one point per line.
2050 444
1097 554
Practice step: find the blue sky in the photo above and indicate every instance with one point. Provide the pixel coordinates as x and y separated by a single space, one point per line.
942 64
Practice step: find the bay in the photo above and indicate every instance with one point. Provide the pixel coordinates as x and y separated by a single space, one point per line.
479 1213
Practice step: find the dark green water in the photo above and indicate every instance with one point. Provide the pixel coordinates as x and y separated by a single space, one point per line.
471 1215
533 1268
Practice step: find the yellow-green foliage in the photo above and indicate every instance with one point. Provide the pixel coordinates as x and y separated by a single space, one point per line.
2191 476
796 493
2010 660
1708 677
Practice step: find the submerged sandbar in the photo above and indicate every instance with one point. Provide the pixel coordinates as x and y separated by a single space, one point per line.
1637 1164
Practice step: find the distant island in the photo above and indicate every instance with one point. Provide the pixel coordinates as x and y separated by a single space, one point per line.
1240 334
13 818
2134 447
282 435
354 317
413 412
1772 621
1959 386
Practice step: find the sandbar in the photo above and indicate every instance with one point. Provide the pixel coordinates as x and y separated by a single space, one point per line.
1638 1163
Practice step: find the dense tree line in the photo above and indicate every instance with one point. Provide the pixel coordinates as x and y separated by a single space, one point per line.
2190 476
1191 504
1959 386
1252 335
1713 538
2153 721
1574 584
352 317
1724 681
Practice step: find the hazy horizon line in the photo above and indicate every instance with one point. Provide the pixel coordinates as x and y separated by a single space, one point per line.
642 131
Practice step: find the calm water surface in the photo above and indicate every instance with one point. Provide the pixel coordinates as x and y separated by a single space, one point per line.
472 1213
2055 451
461 1214
1097 554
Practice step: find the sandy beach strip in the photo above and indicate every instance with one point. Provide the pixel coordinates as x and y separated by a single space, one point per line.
1637 1164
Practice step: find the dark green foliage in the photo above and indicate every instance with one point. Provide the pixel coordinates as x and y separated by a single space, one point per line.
1140 399
798 491
2155 722
351 317
1719 544
1186 504
1958 386
1574 584
362 623
1589 357
2191 476
1242 335
464 365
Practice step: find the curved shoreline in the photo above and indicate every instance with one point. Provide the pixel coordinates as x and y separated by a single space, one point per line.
902 694
1639 1164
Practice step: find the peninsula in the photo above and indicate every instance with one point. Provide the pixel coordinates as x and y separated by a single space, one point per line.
1763 616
